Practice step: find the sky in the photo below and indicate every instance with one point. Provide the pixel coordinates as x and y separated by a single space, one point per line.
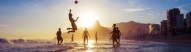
40 19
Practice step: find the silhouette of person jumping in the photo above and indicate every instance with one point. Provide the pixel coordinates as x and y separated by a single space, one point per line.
85 35
96 38
74 27
114 38
59 37
72 38
118 34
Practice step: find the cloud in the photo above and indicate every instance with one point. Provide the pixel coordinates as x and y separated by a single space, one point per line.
131 2
184 5
3 25
136 9
156 13
172 0
33 4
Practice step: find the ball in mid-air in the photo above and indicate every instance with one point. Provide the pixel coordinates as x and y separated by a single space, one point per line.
76 2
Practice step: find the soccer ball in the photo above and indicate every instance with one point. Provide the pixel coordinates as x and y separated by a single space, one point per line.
76 2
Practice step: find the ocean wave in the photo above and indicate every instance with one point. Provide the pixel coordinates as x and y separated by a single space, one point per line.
18 41
5 41
34 45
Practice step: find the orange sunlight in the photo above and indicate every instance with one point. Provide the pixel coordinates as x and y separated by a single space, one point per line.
91 43
87 19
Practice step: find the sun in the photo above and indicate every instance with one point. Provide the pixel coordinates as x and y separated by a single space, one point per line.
87 19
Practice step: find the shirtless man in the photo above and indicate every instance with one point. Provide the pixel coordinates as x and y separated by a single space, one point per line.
85 35
74 27
59 37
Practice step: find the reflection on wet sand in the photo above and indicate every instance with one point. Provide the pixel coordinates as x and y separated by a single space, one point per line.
90 44
130 46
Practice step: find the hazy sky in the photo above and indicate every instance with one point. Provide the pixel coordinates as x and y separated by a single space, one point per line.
40 19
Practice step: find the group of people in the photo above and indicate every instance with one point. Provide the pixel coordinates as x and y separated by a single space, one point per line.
73 29
115 37
115 33
84 36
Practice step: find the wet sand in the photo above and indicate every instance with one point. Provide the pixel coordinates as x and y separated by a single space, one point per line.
92 46
131 46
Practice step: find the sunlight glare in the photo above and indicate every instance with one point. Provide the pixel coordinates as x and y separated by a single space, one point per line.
87 19
91 43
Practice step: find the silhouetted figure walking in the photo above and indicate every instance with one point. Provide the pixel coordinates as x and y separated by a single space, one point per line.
110 37
72 38
74 27
96 38
85 35
114 38
118 34
59 37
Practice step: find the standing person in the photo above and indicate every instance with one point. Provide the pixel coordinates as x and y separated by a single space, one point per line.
59 37
74 27
114 39
96 38
85 35
118 34
72 38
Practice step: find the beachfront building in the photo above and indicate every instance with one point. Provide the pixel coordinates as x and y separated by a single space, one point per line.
180 23
188 21
154 29
175 21
171 17
163 27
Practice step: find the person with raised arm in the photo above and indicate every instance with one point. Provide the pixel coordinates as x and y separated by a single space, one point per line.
73 24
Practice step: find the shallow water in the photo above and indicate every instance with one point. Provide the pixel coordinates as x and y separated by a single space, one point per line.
35 46
130 46
101 46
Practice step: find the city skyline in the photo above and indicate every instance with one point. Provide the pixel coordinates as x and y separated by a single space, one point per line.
29 18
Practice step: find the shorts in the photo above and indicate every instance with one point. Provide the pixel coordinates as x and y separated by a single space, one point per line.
74 26
114 37
118 37
59 38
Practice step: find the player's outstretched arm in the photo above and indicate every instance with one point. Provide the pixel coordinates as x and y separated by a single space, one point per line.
76 19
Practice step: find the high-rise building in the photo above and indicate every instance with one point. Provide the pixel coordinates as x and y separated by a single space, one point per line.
163 26
180 27
180 21
171 18
188 21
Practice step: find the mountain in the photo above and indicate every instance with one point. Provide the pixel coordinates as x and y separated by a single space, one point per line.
102 32
133 26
